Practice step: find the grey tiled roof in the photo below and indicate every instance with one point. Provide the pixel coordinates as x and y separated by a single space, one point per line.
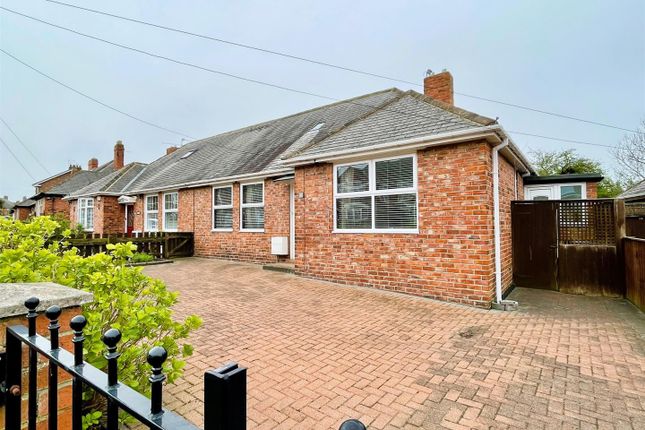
635 192
81 179
26 203
256 148
409 116
113 183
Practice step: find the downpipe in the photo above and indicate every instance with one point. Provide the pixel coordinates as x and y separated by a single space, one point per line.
499 303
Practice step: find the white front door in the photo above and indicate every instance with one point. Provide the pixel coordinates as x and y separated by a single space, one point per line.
539 193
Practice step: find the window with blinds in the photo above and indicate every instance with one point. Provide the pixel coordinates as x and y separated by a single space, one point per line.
171 211
152 213
376 196
223 208
86 213
252 207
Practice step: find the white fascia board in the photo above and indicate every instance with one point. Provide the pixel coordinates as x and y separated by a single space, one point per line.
402 145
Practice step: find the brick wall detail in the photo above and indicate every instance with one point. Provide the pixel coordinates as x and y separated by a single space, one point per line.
452 257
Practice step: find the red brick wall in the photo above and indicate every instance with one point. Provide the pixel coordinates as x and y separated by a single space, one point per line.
592 190
65 380
196 213
507 189
439 87
109 215
450 259
55 205
21 214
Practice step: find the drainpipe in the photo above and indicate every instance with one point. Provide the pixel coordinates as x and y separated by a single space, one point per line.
496 222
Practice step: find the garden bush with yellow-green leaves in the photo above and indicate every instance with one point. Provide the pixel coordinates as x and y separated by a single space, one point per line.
124 298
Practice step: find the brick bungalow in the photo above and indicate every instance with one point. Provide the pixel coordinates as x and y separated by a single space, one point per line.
394 190
50 192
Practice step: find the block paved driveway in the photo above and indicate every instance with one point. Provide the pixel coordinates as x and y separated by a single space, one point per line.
319 353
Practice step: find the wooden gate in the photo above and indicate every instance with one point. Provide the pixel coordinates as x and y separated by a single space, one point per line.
535 243
571 246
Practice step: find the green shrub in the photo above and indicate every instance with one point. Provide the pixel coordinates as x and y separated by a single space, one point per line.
141 257
124 298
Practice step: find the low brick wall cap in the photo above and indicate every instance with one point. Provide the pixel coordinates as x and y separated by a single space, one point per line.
13 296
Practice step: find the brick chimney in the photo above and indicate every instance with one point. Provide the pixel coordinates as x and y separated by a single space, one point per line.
171 149
439 87
92 164
118 155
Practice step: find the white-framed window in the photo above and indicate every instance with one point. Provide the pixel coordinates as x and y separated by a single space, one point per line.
170 211
151 211
40 207
376 196
252 207
223 208
85 213
566 191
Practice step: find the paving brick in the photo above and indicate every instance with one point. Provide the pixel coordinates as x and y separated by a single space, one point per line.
320 353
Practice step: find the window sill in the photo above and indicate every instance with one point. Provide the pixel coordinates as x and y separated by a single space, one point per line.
251 230
221 230
371 231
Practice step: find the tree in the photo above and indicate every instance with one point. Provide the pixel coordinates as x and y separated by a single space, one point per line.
630 156
568 161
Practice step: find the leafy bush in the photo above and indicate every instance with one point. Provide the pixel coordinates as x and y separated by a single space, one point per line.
124 298
141 257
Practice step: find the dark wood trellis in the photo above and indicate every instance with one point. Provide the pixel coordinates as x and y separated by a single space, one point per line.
586 222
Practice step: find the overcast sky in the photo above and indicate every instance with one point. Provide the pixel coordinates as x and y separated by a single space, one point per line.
585 59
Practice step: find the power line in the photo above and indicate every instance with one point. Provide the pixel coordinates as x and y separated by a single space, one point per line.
17 159
92 98
255 81
331 65
562 140
24 145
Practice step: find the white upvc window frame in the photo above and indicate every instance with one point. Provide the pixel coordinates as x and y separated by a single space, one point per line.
373 192
165 211
250 205
215 207
81 208
556 189
146 212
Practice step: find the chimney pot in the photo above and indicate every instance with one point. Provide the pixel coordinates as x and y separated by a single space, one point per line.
118 155
439 87
92 164
171 149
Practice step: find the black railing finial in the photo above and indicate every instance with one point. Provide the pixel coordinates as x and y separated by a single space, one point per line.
31 304
110 339
53 313
156 358
77 324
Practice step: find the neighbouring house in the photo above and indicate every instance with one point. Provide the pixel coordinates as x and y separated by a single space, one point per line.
97 206
394 190
6 206
634 199
23 209
562 187
51 191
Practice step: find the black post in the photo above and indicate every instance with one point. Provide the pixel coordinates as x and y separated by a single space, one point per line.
225 398
77 324
31 304
14 373
110 339
156 357
53 313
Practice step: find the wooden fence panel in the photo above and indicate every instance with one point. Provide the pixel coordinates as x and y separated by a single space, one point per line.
634 250
592 270
635 226
159 244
